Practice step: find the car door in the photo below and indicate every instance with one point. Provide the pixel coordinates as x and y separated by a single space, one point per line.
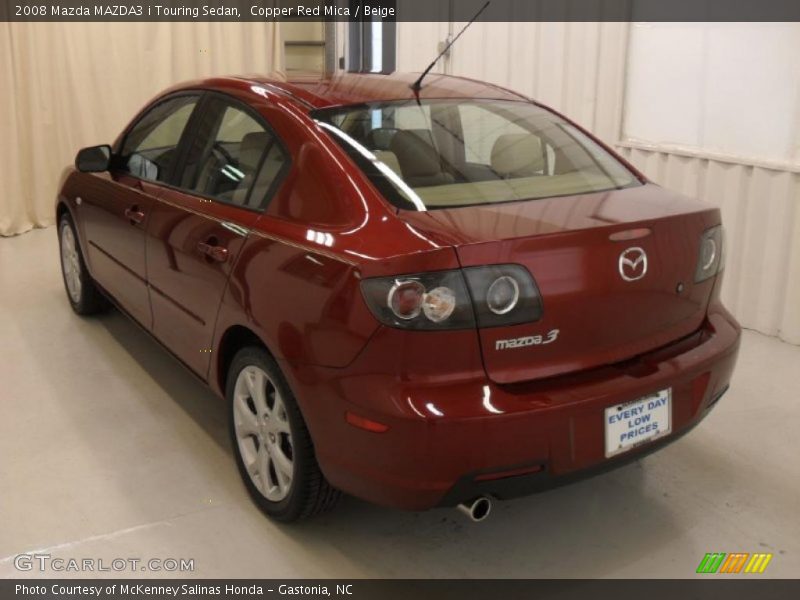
115 206
198 226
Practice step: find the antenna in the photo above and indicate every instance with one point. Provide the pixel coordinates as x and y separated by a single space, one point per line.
417 85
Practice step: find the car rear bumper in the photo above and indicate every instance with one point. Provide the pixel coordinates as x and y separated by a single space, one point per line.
449 441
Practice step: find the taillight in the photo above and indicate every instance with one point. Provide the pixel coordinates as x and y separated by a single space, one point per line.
503 295
437 300
405 299
711 259
490 296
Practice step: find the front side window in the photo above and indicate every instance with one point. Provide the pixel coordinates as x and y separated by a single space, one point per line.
151 146
444 154
234 158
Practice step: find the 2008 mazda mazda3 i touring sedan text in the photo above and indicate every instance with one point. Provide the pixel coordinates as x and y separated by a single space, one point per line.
419 297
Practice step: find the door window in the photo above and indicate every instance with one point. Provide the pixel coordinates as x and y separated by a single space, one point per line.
234 158
151 146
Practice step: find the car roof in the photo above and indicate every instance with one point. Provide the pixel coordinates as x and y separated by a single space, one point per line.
355 88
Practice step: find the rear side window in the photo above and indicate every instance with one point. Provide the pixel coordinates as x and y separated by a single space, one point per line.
151 146
234 159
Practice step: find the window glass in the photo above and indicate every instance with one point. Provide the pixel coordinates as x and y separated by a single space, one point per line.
482 128
270 169
151 146
449 153
419 118
235 160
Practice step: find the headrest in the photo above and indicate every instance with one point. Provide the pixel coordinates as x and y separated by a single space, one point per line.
389 159
426 135
379 138
252 148
416 158
517 154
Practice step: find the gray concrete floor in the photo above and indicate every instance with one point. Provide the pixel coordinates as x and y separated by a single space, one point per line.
109 448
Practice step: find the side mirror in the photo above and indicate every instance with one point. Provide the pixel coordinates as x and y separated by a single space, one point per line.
94 159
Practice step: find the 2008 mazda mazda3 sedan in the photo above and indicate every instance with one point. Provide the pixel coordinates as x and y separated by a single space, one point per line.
419 297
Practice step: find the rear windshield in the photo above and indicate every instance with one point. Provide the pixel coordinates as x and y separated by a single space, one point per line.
444 154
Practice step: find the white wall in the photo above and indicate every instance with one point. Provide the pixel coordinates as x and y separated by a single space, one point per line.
762 225
578 68
583 70
713 110
303 52
727 88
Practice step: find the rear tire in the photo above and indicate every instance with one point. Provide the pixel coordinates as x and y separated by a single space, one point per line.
273 448
84 296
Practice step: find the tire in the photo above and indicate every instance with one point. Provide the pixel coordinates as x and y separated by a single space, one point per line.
82 293
271 441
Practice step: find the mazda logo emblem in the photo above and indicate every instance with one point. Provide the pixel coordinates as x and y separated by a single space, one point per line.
633 264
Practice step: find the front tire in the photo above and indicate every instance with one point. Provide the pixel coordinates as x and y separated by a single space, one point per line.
83 295
273 448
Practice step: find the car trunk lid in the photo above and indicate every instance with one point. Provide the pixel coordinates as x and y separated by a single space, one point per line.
615 271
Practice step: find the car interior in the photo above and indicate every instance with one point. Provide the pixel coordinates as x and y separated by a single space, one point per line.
496 159
233 158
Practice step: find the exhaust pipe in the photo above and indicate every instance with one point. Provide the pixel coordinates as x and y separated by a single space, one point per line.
477 510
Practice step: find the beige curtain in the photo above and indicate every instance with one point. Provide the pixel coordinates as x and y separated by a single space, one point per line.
65 86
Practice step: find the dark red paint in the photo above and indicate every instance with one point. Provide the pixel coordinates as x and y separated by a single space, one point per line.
169 261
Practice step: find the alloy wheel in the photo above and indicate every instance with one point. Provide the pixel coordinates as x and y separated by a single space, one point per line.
263 434
70 263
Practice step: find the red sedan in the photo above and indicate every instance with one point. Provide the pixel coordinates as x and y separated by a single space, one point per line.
422 298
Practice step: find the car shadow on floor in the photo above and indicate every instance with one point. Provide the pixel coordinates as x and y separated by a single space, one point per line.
178 382
592 528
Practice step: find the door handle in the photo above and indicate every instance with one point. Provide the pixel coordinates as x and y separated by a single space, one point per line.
134 215
214 252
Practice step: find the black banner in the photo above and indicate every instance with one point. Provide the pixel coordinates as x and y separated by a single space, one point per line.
400 10
442 589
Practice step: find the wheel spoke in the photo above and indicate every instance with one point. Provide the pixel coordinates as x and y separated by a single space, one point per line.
281 425
250 382
263 470
254 466
283 465
247 422
283 481
256 385
280 420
